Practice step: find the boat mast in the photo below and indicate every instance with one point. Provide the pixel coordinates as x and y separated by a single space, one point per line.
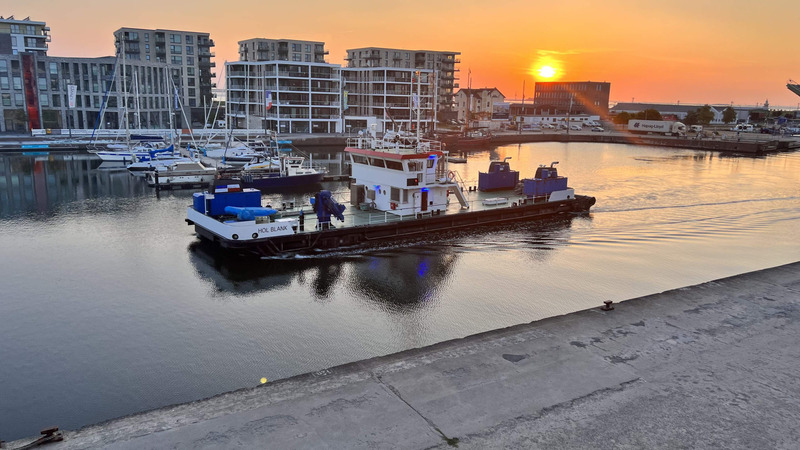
125 94
136 99
169 105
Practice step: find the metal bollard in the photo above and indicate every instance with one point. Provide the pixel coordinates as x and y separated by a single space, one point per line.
607 306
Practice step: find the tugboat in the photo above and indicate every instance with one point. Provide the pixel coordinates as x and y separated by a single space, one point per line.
401 186
498 177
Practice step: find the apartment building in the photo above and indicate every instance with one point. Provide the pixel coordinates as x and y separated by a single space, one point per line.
188 56
261 49
572 97
35 93
393 98
284 96
442 63
476 104
23 36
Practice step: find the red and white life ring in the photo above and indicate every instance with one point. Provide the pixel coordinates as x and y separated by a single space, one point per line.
451 176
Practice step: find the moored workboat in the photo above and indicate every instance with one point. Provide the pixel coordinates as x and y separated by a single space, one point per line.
401 187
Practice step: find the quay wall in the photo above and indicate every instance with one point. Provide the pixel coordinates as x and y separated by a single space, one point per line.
707 366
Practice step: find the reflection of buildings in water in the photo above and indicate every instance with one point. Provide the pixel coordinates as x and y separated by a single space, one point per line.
39 183
401 281
230 273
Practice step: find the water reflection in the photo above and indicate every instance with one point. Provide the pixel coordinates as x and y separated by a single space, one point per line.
235 274
39 184
403 280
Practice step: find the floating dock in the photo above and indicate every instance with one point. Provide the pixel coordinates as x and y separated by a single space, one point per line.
709 366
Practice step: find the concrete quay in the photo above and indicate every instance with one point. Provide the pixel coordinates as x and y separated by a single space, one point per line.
708 366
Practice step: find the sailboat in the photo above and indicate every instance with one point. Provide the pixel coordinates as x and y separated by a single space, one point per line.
129 152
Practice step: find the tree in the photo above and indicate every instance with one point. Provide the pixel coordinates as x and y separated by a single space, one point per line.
622 118
691 118
648 114
729 115
705 115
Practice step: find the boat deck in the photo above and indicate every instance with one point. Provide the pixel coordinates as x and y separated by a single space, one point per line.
365 215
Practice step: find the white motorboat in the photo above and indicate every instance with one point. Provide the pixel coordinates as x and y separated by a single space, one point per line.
182 173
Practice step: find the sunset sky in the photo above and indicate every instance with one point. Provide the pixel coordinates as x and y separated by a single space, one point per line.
669 51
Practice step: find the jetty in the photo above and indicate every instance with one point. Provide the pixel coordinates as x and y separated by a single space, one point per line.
711 365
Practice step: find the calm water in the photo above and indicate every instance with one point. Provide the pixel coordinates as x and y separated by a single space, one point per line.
110 306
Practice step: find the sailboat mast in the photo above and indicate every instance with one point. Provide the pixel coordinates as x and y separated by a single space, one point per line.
169 104
136 99
125 94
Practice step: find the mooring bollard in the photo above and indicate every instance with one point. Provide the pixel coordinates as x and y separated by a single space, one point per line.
607 306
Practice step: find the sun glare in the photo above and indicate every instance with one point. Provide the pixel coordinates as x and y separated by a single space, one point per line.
547 72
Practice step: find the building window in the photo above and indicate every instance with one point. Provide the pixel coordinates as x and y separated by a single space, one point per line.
189 39
191 92
308 48
177 60
18 99
189 50
190 71
190 60
4 83
147 37
176 49
296 57
6 99
147 57
42 81
296 47
17 82
15 28
44 100
175 38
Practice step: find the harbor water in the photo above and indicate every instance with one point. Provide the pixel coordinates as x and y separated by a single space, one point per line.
110 304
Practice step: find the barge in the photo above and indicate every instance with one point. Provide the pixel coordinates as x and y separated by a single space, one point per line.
400 188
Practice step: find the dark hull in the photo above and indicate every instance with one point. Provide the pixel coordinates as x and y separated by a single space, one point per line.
367 234
271 181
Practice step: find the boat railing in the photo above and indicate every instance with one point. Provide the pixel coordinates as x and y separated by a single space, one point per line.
404 144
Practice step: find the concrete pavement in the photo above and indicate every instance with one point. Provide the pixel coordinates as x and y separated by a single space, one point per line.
708 366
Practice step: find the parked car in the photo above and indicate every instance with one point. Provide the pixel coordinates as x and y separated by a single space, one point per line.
548 126
598 129
575 127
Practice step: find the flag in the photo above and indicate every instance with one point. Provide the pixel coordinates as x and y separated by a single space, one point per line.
269 99
176 99
72 90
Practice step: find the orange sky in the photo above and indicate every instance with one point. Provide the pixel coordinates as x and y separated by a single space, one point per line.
697 51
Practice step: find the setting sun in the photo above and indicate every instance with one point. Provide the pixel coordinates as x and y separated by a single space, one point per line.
547 72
